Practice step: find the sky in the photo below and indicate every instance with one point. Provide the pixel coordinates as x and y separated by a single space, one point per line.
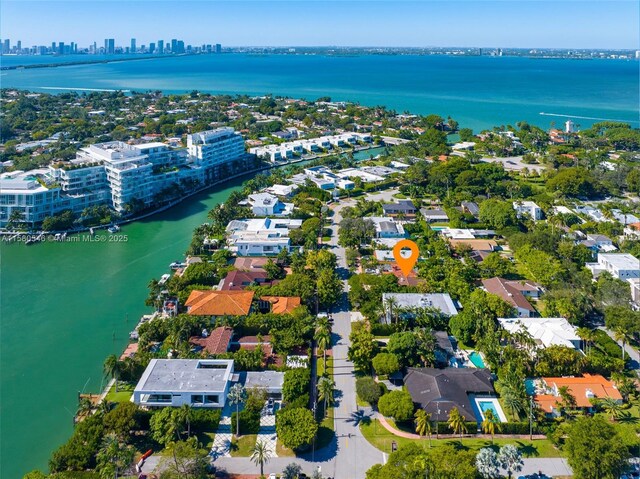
612 24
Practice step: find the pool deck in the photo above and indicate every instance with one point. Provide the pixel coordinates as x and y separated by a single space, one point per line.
478 412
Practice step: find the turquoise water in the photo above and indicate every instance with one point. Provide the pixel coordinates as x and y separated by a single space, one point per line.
530 387
476 359
479 92
487 406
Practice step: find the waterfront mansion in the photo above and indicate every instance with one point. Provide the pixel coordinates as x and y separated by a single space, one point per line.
122 176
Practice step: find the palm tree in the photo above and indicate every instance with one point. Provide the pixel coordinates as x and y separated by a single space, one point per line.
186 414
423 423
490 423
113 457
622 335
567 401
456 422
237 395
260 455
325 392
587 335
323 338
610 406
390 303
111 368
513 403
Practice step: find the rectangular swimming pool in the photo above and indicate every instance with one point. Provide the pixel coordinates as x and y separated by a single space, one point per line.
490 404
476 359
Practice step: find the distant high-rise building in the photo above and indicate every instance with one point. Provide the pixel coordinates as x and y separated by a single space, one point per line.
218 48
60 48
53 47
179 47
133 45
72 48
160 47
19 46
152 47
569 126
174 45
111 48
95 47
6 46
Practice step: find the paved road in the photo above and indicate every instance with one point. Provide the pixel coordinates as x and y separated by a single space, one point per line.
631 354
551 466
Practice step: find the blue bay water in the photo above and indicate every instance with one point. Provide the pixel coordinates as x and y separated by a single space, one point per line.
479 92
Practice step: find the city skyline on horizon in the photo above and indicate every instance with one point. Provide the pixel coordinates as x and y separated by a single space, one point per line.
485 24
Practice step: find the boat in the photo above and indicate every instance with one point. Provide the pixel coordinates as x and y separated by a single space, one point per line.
177 265
113 229
164 279
91 231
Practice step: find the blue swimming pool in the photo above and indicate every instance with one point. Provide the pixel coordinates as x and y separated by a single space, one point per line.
476 359
488 406
530 387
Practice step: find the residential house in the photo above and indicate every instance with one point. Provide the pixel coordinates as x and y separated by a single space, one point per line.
282 190
175 382
405 305
260 237
515 293
250 264
219 303
471 208
528 208
265 204
280 304
238 280
619 265
586 390
438 391
434 215
387 227
215 342
545 332
269 381
405 208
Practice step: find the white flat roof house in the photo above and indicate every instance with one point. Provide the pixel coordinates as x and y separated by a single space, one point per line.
545 331
387 227
260 236
265 204
282 190
269 381
413 301
174 382
528 208
619 265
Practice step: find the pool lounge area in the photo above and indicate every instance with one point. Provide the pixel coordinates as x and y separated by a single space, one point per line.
483 404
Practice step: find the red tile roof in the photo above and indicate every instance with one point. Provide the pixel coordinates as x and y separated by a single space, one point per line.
219 303
581 388
503 288
217 342
238 280
282 304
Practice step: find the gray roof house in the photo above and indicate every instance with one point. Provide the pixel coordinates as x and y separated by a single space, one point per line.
434 215
437 391
404 207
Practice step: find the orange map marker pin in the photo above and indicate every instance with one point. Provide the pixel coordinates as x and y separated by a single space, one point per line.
406 263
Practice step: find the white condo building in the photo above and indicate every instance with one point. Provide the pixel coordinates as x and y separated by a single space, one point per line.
120 176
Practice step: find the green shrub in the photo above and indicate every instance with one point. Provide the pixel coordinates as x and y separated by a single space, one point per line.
368 390
249 422
205 419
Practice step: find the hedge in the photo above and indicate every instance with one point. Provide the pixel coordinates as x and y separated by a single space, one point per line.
249 422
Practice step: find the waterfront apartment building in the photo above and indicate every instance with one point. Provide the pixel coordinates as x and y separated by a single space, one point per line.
122 176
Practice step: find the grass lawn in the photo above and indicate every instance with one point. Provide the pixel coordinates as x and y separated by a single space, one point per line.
125 390
325 430
206 438
243 446
379 437
320 366
282 451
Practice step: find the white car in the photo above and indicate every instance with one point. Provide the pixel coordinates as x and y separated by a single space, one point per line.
273 476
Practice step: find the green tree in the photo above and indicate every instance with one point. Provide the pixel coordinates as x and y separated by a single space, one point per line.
291 471
559 361
487 463
296 384
112 368
595 449
186 460
329 287
165 426
510 459
422 421
325 392
456 421
498 214
367 389
363 346
121 420
323 338
260 455
397 404
296 427
490 423
114 456
237 395
405 347
386 363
